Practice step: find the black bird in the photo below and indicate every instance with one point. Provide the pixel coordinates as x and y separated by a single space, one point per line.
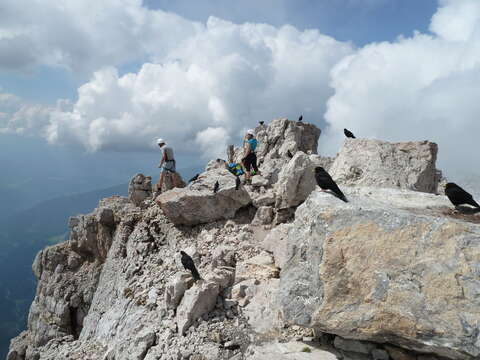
348 134
300 118
237 182
194 178
261 122
215 187
458 196
325 181
188 264
289 154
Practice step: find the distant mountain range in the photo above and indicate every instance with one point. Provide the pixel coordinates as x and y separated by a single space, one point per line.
22 235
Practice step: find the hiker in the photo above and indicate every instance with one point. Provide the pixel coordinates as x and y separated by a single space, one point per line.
167 164
249 159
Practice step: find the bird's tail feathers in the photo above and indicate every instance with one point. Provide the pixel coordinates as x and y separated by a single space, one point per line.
196 275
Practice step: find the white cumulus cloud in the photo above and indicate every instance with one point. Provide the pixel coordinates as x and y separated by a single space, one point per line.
423 87
85 35
213 84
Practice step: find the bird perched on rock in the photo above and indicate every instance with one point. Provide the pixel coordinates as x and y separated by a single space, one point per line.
261 122
300 118
458 196
188 264
289 154
325 181
216 187
348 134
237 183
194 178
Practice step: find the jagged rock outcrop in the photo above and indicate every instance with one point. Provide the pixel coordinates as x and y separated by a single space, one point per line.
139 188
407 165
296 180
389 266
391 274
282 135
198 203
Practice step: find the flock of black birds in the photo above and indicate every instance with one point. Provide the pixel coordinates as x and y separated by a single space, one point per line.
455 194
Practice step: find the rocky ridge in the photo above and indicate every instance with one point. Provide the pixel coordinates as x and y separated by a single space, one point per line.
288 272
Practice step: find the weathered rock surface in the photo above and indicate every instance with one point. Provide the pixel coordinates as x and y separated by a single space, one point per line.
294 350
139 188
199 204
389 266
198 300
282 135
394 272
296 181
408 165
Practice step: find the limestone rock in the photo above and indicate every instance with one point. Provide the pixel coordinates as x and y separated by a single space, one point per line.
263 310
276 242
263 216
282 135
169 182
223 256
412 265
176 288
408 165
260 267
265 199
198 300
199 204
288 351
140 188
274 141
295 182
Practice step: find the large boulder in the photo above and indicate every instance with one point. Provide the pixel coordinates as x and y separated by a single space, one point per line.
275 140
283 135
406 165
391 266
198 300
198 203
296 181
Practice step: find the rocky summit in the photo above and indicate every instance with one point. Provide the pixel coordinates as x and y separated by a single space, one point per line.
287 271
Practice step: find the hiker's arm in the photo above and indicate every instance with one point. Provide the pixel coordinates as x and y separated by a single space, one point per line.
163 159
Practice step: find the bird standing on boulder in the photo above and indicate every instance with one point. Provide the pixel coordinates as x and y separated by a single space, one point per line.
188 264
300 118
325 181
237 182
458 196
216 187
348 134
261 122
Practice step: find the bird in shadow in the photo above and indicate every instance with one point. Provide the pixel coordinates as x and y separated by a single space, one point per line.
325 181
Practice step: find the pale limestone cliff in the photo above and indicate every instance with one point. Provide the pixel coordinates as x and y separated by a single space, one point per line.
287 272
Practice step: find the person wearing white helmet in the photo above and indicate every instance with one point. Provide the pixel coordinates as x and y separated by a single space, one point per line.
167 164
249 159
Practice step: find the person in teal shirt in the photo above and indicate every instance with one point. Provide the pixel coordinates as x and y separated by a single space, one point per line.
249 159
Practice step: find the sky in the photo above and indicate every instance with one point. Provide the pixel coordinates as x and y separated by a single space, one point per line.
108 77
